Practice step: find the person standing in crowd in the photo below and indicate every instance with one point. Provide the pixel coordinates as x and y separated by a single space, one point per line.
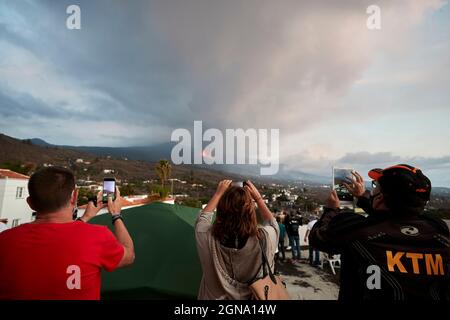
292 223
230 247
285 218
281 248
314 255
55 257
397 252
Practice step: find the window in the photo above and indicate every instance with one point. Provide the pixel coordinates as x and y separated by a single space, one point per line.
19 193
15 222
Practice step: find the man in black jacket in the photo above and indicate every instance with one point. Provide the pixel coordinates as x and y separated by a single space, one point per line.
397 252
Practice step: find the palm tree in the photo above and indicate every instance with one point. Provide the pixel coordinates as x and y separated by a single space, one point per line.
163 170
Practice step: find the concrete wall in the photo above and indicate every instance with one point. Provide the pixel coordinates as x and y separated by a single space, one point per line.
11 207
105 210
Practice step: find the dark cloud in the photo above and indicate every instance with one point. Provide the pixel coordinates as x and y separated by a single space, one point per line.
25 106
142 68
220 61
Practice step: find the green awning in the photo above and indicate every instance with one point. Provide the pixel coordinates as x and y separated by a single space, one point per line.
166 264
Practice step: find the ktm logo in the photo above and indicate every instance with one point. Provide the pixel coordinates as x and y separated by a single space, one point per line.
433 262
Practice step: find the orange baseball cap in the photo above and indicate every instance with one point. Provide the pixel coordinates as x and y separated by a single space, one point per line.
402 179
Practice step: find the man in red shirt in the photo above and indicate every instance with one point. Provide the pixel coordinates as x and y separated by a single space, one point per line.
55 257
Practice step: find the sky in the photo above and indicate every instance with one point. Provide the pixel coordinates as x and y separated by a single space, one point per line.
339 93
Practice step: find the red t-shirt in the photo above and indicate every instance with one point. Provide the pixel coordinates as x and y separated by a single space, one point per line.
55 261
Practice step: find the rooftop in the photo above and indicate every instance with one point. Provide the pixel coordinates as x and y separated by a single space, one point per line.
5 173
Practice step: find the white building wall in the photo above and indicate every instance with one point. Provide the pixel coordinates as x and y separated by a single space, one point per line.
2 194
11 207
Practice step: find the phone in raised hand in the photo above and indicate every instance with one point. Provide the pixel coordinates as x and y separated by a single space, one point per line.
341 176
109 188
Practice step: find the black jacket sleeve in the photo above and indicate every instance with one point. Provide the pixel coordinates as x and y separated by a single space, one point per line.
334 230
364 203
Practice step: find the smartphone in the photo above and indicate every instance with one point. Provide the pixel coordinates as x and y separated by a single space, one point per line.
240 184
109 188
341 176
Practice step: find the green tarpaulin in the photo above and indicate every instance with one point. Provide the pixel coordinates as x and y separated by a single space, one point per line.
166 264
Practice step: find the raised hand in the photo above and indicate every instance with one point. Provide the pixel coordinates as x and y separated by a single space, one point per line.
223 186
357 188
253 191
333 200
92 210
114 207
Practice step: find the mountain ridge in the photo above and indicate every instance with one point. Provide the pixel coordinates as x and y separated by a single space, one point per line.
163 151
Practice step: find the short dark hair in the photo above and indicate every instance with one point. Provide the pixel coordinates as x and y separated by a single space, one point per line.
50 188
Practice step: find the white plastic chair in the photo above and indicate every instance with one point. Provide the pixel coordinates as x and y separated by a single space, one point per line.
334 261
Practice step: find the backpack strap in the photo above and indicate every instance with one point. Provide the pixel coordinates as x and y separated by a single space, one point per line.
265 262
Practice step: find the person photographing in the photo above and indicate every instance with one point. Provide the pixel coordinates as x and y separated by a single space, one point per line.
229 247
55 257
397 252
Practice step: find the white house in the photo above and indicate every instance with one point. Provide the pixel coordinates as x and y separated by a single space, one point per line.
13 195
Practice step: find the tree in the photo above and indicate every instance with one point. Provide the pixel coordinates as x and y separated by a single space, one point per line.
191 202
127 190
162 191
163 170
83 196
19 167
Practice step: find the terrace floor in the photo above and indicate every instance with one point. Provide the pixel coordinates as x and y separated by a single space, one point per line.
305 282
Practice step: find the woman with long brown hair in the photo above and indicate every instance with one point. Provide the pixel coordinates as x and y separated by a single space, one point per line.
230 247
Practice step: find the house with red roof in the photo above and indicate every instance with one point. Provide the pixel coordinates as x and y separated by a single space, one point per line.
14 209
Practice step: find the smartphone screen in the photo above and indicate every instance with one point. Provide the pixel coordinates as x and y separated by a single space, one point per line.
237 184
341 176
109 188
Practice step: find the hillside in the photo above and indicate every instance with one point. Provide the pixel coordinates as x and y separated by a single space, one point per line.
154 153
144 153
12 149
25 152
